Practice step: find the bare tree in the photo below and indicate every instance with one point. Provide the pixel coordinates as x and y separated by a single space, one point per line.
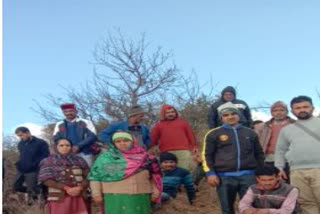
126 73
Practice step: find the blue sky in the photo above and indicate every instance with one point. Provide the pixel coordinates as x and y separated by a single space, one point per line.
269 49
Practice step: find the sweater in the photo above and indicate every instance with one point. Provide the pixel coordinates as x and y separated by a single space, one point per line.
173 179
300 149
173 134
282 199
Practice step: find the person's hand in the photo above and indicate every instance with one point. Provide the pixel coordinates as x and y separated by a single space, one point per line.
213 180
75 149
283 175
250 211
153 151
154 199
97 199
74 191
195 151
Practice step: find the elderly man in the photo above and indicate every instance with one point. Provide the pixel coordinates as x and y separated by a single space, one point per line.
231 154
133 125
268 132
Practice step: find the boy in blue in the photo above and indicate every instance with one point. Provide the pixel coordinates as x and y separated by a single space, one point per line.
173 177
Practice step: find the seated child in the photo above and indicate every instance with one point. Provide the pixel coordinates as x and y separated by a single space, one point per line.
269 195
173 177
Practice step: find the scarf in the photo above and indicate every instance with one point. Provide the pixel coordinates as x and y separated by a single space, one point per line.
51 167
116 165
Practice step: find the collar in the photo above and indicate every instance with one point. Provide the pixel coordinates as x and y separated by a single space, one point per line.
76 119
227 126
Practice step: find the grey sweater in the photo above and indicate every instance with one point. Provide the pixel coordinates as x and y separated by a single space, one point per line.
300 149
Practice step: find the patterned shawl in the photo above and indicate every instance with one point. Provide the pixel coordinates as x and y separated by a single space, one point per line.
52 166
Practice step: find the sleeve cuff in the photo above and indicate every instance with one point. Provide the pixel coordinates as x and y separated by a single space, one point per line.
210 173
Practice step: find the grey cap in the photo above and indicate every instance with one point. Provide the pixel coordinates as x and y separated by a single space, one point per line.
134 110
228 107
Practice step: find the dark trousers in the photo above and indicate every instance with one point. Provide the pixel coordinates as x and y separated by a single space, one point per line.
198 174
228 189
30 179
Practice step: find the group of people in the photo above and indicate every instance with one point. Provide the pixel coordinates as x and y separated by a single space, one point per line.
140 168
257 161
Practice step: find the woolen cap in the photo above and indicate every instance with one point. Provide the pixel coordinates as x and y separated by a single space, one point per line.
228 107
68 106
134 110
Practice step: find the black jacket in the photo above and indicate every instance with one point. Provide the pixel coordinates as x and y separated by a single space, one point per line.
232 149
31 153
245 114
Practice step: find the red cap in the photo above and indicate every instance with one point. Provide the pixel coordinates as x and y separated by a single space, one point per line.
68 106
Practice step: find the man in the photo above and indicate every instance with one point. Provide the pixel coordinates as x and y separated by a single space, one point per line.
268 132
270 195
230 155
173 134
228 94
299 144
133 125
31 150
80 132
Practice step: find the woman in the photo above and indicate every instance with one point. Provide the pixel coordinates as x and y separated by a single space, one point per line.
64 174
127 176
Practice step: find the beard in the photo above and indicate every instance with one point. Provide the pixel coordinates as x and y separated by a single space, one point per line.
303 115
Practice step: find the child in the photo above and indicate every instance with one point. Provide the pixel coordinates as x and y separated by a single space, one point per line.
173 177
269 195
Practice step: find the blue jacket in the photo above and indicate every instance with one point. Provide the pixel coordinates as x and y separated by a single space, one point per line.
105 134
85 130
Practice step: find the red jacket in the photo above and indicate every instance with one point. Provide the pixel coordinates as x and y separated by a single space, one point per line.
172 134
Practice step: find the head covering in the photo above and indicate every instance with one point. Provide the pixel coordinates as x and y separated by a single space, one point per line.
121 135
134 110
168 156
68 106
279 104
229 89
164 107
228 107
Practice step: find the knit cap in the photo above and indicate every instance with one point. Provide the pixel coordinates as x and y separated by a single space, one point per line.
229 89
68 106
125 135
168 156
228 107
134 110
